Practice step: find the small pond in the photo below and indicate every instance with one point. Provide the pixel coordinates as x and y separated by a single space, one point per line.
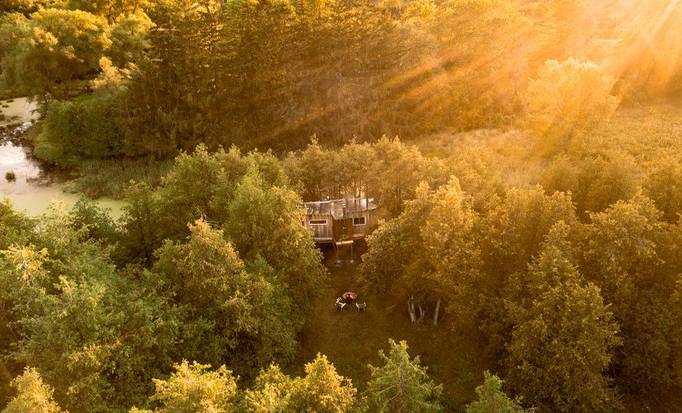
23 180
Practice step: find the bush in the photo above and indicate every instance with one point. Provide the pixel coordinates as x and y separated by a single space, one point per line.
87 127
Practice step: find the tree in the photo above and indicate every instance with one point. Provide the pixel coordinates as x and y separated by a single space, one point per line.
514 228
662 186
558 363
33 395
231 313
87 127
58 50
491 399
395 246
129 40
266 221
109 9
95 335
450 239
322 389
15 228
624 251
141 232
401 384
88 216
270 393
193 388
568 99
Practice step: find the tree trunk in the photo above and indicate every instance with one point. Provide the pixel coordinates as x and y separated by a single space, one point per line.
435 315
410 309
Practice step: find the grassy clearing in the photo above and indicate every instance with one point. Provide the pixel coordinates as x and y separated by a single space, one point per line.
351 340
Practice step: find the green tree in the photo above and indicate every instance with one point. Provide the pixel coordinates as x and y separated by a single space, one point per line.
662 186
322 389
96 336
401 384
233 314
449 236
193 388
624 251
559 363
96 221
15 227
109 9
33 395
270 393
59 49
514 228
141 232
490 398
395 246
86 127
129 39
568 99
266 221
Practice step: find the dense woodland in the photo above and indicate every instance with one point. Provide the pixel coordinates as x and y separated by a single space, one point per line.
525 154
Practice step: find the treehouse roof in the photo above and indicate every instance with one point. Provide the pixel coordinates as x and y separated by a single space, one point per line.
338 208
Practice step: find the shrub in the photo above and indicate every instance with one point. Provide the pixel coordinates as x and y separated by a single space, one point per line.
87 127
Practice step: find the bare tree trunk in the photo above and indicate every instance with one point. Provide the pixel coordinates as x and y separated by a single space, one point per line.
410 309
422 313
435 315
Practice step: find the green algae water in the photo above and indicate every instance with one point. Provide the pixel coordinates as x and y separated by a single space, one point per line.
22 179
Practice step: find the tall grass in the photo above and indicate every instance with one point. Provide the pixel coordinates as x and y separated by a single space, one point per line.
111 177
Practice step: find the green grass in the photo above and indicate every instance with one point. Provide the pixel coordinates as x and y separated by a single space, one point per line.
351 340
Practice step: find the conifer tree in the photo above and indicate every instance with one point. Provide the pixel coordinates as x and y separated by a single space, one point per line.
33 395
401 385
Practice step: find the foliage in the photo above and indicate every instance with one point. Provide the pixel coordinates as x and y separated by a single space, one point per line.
230 313
559 363
15 228
129 39
95 336
595 182
54 50
266 222
568 99
623 251
33 395
86 216
192 388
87 127
491 399
401 384
662 186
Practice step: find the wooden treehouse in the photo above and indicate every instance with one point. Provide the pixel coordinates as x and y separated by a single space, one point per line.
340 222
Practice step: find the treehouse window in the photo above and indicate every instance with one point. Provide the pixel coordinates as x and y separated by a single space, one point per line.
318 222
359 221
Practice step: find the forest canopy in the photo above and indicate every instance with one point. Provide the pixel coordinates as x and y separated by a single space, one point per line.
524 156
